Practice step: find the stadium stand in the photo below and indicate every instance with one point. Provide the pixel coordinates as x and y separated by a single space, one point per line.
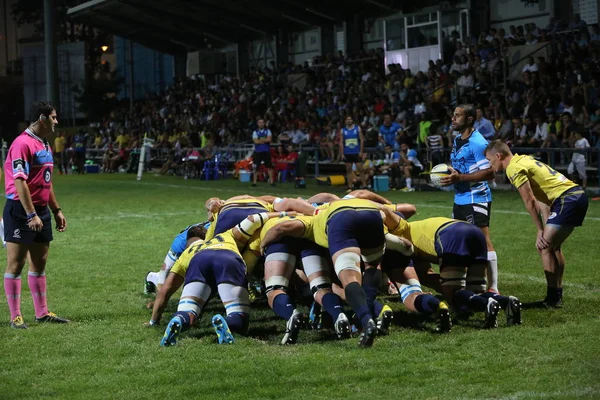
541 106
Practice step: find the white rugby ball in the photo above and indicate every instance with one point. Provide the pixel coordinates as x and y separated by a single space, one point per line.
437 173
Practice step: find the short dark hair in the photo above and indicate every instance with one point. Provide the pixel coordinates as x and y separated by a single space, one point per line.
196 231
470 111
40 108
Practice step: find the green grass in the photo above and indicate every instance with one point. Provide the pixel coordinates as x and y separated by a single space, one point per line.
119 229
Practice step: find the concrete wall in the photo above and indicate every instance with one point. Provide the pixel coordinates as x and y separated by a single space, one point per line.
504 13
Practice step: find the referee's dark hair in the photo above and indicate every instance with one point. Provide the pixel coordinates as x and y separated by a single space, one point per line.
470 111
40 108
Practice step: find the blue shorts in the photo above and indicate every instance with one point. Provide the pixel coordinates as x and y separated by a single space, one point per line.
214 267
395 260
230 217
569 208
297 247
460 244
16 229
354 228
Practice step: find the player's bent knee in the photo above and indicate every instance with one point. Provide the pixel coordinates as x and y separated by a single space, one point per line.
320 283
476 283
453 278
347 261
190 305
276 283
412 286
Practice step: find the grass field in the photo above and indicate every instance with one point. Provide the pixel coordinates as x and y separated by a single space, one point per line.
119 229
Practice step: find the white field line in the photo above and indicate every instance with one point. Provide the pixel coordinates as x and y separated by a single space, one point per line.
588 392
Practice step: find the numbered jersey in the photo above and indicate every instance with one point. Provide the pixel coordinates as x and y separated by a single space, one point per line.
351 140
546 183
223 241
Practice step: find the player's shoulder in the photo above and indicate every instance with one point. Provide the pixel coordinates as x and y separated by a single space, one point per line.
477 139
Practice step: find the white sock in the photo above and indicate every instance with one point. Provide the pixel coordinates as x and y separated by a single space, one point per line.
152 277
492 270
409 183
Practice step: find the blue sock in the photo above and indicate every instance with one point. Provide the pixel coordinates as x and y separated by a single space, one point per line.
355 296
332 304
503 300
426 303
238 322
185 318
283 306
377 307
371 282
469 301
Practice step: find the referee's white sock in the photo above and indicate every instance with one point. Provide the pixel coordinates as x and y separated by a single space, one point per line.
492 270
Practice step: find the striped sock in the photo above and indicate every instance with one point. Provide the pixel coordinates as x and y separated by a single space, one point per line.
12 288
37 286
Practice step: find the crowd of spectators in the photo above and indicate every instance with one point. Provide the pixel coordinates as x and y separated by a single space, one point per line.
555 99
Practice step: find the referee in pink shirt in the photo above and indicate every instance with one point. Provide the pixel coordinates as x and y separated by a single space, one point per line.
27 221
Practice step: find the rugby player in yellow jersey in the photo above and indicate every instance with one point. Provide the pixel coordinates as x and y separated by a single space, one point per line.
351 229
538 183
280 263
460 249
216 265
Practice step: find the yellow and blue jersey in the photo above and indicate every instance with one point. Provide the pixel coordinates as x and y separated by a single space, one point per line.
223 241
235 211
423 234
351 140
546 184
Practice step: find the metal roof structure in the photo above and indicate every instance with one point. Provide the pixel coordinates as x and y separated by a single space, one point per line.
179 26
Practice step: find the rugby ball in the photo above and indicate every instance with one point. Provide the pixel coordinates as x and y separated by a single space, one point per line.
437 173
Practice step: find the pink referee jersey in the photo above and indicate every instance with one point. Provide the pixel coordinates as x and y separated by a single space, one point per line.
29 158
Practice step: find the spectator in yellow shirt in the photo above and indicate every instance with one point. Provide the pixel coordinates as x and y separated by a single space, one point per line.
59 151
122 140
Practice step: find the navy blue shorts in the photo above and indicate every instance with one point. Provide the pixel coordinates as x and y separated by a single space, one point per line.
460 244
569 208
230 217
395 260
353 228
214 267
15 224
297 247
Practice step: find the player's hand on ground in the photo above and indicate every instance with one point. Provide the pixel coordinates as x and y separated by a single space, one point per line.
61 221
35 224
450 179
541 243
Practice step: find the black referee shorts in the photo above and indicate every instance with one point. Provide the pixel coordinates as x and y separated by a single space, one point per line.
15 224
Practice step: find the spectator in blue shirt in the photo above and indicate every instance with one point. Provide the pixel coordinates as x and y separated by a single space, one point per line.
388 131
484 126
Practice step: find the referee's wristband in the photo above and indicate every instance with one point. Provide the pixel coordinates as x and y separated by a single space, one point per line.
57 211
31 216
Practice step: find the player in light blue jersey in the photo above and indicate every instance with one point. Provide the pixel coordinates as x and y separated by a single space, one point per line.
469 174
352 144
155 279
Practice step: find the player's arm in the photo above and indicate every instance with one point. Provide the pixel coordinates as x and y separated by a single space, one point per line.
299 205
255 138
269 137
59 217
368 195
240 197
362 141
171 285
33 220
293 228
243 231
534 211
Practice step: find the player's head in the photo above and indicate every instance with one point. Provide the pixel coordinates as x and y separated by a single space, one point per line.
348 120
196 232
388 148
463 117
387 119
498 154
261 123
43 113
